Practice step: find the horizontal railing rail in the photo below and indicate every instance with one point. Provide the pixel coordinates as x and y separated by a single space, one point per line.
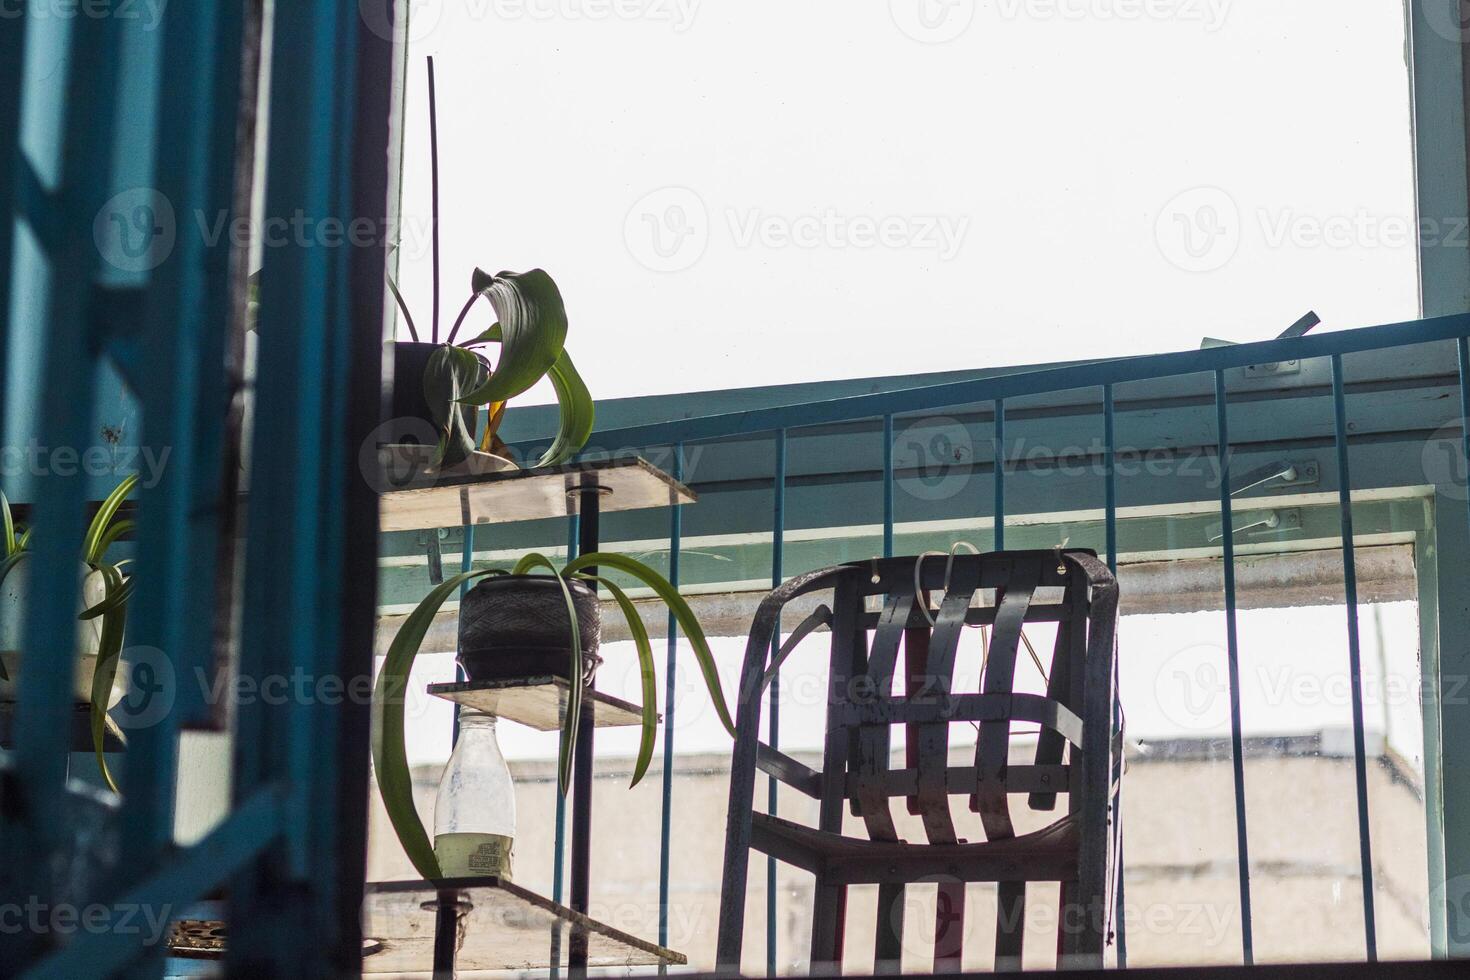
1093 374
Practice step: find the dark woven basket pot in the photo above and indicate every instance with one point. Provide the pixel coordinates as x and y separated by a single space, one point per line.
514 626
411 420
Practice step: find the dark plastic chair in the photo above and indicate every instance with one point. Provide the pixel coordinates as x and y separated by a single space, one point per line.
1078 753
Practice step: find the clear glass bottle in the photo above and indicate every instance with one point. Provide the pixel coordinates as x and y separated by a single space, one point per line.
475 811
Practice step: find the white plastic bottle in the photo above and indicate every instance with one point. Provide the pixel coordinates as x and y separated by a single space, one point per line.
475 811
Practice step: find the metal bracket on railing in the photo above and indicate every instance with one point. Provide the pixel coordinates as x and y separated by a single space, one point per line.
1275 368
1258 522
1304 473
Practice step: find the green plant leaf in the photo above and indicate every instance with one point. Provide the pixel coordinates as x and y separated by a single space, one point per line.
448 375
112 599
113 534
25 539
533 326
9 525
109 649
646 672
577 412
91 551
390 758
685 617
573 720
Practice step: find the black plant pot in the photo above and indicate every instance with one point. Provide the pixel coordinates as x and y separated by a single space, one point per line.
411 420
516 626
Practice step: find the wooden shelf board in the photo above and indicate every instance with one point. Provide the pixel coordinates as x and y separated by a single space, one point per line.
507 928
539 702
527 495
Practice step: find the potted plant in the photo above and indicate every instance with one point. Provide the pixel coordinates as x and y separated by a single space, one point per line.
514 622
437 386
102 619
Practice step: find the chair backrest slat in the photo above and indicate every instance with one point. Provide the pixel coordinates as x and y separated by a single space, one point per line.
993 745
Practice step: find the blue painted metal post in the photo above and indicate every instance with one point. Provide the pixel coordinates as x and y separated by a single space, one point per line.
1000 474
1237 751
184 346
319 397
888 486
1110 520
671 666
778 539
1355 660
559 846
34 831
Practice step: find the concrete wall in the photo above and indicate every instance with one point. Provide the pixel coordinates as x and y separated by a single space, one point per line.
1182 898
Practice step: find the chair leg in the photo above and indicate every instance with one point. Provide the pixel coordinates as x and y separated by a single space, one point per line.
829 909
888 946
1080 933
1010 925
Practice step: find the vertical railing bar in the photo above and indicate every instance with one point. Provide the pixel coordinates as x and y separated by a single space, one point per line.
1355 659
65 393
559 845
1000 474
1110 520
466 562
888 486
676 534
1237 753
778 541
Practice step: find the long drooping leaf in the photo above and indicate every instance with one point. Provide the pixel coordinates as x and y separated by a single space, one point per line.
113 534
109 649
575 675
448 375
577 412
645 670
685 617
91 552
533 327
7 565
9 525
113 598
390 758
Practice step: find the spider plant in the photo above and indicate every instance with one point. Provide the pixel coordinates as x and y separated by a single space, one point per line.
389 759
531 329
102 533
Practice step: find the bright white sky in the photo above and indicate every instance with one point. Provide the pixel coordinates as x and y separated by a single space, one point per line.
760 192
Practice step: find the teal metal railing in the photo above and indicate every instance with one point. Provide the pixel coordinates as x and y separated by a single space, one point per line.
779 423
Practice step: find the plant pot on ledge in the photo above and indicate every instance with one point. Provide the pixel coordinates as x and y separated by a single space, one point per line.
516 626
14 594
407 447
